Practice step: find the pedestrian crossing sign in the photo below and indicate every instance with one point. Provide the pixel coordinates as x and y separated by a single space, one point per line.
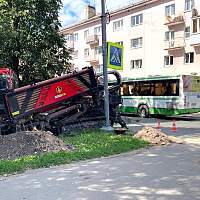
115 56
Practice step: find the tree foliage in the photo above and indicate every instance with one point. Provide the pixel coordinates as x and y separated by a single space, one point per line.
29 40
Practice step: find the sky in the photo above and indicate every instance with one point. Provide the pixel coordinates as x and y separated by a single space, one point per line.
73 10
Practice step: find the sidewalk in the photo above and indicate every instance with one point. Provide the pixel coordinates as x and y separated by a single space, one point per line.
164 173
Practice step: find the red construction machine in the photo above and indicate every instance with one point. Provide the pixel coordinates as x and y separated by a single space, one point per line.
57 103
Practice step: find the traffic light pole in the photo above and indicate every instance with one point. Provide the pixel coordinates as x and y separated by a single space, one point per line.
105 73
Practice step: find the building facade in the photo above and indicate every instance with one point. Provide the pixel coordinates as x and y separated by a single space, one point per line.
160 37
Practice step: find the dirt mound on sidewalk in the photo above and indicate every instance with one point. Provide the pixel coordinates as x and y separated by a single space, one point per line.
156 137
29 143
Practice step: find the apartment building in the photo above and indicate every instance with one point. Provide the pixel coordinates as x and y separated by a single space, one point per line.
160 37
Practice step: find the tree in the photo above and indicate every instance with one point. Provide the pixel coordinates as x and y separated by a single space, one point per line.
30 42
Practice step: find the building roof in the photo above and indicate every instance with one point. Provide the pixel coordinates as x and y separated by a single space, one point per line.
96 18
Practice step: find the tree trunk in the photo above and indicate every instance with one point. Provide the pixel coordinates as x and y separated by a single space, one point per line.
15 66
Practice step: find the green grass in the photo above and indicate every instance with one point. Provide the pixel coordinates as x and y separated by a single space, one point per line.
89 144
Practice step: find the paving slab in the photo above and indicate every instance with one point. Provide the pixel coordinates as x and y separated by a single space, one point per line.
166 173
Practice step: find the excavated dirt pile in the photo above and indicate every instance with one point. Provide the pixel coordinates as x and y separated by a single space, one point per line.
29 143
156 137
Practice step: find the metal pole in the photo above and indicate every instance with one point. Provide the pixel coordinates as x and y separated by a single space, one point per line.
105 74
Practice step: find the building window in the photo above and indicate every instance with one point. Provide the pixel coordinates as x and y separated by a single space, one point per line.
136 20
169 60
189 4
99 69
117 25
76 37
86 33
98 50
169 35
187 32
189 57
86 53
196 25
69 37
97 30
136 43
170 10
136 64
194 30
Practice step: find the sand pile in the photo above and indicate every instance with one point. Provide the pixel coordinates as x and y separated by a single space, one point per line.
29 143
156 137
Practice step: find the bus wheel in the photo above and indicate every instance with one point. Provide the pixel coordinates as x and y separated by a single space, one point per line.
143 111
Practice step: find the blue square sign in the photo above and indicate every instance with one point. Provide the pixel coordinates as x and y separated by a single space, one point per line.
115 56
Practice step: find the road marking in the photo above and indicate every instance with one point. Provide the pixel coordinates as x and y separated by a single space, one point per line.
135 125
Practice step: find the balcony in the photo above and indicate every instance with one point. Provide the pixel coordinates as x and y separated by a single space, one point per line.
92 39
174 20
177 43
92 59
195 39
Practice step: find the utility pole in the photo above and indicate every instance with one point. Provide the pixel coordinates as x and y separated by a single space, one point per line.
105 73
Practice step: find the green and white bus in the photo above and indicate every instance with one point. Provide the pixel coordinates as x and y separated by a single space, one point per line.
161 95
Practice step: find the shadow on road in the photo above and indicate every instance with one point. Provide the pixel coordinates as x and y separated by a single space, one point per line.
169 172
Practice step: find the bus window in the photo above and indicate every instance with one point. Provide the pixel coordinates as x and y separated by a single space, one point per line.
173 85
158 89
133 89
121 91
125 89
151 88
174 88
166 88
163 89
145 88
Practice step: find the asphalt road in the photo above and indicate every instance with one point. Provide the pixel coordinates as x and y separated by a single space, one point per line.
165 173
186 125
